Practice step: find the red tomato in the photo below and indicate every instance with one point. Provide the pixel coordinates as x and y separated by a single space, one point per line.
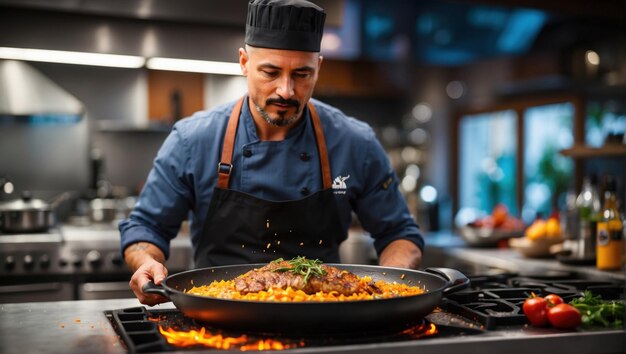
564 316
554 299
536 310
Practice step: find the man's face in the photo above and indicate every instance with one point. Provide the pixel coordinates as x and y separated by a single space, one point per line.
280 82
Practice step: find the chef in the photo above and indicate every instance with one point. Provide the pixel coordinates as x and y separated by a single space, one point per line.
275 173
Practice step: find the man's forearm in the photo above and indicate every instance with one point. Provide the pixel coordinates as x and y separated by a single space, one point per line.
401 253
138 253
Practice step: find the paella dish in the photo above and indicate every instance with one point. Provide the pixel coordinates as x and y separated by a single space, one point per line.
303 280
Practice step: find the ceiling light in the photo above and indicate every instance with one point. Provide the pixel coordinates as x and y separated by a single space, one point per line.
592 57
195 66
67 57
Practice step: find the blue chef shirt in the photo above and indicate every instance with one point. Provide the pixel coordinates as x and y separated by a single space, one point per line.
185 173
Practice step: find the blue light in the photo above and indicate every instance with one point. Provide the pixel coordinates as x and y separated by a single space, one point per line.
521 30
487 17
53 119
425 24
448 56
378 26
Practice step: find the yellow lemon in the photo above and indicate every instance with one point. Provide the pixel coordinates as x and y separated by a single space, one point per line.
536 230
553 229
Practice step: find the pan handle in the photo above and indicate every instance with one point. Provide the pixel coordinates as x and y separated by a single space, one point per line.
456 280
151 288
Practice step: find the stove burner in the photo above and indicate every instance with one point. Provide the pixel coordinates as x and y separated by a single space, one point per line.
497 300
144 331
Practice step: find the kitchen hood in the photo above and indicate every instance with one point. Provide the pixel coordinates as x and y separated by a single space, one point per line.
24 91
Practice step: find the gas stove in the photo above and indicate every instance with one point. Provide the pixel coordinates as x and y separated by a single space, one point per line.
143 331
496 300
491 304
71 263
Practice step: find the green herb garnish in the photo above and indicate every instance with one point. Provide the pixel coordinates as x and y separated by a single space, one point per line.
596 311
302 266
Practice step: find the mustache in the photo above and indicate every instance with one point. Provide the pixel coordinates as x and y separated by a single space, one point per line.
289 101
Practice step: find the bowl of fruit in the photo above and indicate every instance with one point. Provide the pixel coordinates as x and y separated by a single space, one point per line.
491 229
538 238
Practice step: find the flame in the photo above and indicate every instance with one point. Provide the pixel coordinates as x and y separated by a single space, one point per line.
424 330
206 338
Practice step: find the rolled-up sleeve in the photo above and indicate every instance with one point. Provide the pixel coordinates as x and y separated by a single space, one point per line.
381 208
166 198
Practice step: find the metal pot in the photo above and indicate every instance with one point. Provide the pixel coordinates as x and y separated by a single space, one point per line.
102 210
25 215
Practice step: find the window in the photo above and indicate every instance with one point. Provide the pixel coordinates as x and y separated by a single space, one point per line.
605 123
547 174
510 155
488 160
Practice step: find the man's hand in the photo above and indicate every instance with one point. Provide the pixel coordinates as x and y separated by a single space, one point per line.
146 260
401 254
149 271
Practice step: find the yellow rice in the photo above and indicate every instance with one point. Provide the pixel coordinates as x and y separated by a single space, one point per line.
225 289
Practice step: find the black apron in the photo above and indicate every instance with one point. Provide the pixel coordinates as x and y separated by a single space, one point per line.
241 228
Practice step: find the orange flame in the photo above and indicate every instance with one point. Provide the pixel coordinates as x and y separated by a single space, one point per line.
424 330
203 337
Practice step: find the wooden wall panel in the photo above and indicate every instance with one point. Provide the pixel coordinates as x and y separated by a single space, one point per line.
161 87
357 79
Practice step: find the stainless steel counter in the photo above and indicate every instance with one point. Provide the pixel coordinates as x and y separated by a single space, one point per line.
81 327
448 249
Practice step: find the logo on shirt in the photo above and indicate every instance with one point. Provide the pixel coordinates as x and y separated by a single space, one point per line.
339 184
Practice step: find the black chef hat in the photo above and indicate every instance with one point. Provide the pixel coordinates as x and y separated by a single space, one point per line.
285 24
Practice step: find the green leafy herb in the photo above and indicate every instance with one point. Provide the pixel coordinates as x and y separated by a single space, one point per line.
302 266
596 311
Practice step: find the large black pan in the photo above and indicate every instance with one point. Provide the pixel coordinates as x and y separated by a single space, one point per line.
311 316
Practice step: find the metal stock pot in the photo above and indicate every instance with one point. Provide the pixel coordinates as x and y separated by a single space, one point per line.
25 215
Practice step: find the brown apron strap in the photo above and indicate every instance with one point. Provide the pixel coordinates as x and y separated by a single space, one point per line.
321 147
225 166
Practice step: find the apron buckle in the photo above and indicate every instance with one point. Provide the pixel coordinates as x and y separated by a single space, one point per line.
224 168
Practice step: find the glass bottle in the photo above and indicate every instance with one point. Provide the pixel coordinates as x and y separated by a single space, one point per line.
610 237
569 221
589 208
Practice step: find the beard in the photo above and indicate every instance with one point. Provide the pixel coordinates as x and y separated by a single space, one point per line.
283 119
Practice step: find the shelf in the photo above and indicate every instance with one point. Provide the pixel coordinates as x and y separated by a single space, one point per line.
114 126
581 152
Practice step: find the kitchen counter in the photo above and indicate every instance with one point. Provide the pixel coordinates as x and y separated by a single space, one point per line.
448 249
81 327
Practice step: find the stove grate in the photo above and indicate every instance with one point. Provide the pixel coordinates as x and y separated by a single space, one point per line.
495 301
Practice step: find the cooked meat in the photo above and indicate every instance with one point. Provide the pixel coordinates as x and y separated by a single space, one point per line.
267 277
